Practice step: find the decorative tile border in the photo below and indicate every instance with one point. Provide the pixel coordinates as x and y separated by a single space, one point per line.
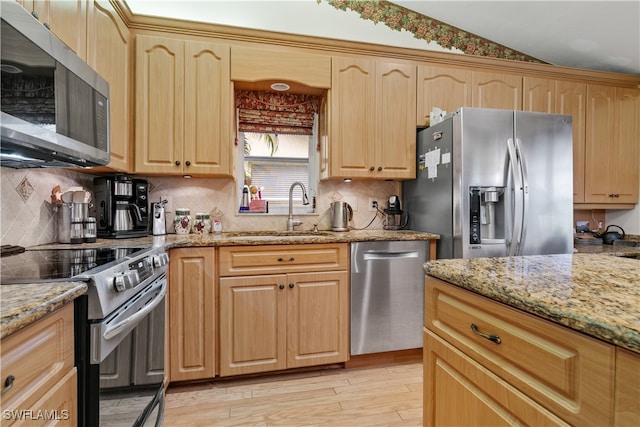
428 29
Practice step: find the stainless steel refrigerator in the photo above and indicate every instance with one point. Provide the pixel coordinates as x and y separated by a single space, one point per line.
494 183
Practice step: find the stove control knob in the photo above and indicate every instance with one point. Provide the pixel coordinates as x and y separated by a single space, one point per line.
127 280
160 260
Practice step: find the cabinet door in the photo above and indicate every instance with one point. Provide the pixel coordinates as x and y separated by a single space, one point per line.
571 100
626 154
539 94
395 136
495 90
600 144
460 392
208 107
352 117
253 324
67 20
442 87
159 105
317 318
115 370
109 53
627 392
192 303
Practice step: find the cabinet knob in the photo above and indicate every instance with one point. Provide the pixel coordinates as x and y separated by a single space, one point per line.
372 168
379 168
188 163
281 286
290 259
8 383
177 162
291 285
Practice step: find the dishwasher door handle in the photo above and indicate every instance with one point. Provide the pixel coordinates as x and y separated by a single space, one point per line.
373 256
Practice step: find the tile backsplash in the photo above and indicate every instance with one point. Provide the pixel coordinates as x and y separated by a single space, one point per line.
28 218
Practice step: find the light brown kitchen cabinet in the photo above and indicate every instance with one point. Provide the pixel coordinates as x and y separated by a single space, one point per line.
612 150
40 358
627 392
538 94
545 370
109 53
184 107
283 318
192 314
372 129
66 19
444 87
496 90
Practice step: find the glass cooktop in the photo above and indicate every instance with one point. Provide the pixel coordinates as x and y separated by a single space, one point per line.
56 264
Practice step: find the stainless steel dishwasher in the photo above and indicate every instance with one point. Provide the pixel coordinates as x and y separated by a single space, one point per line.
387 295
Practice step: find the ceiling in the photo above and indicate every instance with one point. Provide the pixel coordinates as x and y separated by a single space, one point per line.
595 35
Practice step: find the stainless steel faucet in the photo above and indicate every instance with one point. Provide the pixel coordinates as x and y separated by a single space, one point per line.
291 222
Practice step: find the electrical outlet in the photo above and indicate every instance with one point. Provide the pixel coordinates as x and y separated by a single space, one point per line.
373 203
168 207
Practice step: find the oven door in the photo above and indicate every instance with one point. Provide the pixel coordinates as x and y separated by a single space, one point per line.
125 384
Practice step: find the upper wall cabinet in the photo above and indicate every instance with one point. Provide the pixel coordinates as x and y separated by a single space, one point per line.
250 64
109 53
66 19
372 128
497 90
444 88
184 107
612 156
450 88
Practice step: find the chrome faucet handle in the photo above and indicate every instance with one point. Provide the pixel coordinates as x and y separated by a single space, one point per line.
315 228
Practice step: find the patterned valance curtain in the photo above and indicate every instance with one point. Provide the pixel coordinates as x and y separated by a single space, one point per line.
276 112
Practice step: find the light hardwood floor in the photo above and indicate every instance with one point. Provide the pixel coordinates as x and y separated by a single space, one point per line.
389 395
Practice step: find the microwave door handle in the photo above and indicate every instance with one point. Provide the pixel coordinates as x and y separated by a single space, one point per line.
114 330
525 194
517 194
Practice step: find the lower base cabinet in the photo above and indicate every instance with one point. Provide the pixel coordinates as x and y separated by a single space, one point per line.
460 392
272 322
38 373
192 314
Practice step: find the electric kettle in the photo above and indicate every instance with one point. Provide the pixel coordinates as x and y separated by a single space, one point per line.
341 214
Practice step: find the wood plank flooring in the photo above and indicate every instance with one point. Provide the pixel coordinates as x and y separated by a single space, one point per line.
389 395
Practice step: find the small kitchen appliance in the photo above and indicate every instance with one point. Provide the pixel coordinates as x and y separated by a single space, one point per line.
395 218
159 224
122 206
341 214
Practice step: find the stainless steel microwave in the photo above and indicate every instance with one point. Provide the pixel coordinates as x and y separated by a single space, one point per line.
55 107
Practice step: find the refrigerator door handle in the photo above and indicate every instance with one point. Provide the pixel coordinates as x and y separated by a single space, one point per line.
525 193
514 245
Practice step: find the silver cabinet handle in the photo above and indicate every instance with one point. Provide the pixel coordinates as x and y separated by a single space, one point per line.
8 383
491 337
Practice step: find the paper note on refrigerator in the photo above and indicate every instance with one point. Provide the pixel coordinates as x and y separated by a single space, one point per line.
432 162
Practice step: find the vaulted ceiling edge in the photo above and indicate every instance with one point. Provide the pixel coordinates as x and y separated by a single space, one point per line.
428 29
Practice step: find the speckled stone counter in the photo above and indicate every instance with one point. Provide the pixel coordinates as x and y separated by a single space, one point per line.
598 295
21 305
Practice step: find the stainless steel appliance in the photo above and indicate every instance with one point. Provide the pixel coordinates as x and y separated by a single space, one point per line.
119 326
387 295
341 214
159 224
122 206
394 217
494 183
55 108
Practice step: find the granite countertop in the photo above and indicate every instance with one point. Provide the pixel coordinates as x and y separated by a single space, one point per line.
21 305
596 294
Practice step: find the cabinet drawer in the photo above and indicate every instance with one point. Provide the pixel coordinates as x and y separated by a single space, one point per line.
567 372
250 260
38 357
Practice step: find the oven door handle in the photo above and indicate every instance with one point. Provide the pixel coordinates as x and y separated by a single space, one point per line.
114 330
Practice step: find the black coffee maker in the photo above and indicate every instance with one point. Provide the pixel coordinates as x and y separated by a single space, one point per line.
122 206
